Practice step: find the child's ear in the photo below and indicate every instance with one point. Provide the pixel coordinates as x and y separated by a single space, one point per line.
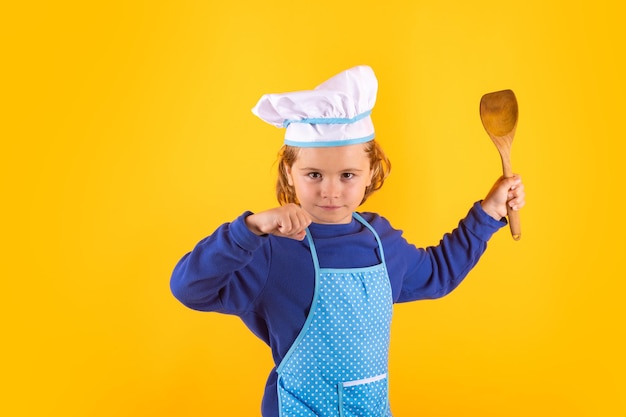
288 174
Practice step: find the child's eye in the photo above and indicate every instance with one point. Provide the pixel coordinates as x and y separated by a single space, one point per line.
347 175
314 175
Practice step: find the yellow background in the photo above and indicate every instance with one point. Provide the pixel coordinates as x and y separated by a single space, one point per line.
127 137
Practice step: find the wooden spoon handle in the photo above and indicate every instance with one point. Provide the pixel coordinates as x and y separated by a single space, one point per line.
514 223
514 219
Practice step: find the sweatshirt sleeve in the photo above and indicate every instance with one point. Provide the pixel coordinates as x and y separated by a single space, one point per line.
435 271
225 271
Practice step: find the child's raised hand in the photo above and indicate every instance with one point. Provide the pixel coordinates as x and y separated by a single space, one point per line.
287 221
505 191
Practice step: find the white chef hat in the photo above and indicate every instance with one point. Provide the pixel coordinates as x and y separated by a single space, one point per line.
335 113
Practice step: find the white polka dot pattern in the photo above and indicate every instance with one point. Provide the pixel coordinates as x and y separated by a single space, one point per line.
339 365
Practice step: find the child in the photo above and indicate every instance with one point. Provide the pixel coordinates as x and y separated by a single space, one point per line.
313 278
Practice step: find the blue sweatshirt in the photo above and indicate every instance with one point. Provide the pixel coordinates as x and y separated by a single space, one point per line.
268 281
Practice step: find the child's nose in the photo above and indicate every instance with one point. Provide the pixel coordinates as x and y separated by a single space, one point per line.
330 188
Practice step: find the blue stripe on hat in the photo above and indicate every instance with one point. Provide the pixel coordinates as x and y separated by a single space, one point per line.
329 120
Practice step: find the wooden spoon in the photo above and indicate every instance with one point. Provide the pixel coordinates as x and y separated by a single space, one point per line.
498 112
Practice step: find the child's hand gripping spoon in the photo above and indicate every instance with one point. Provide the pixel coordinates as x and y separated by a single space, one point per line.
498 112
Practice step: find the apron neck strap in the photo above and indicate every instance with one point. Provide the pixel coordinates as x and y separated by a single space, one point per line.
361 220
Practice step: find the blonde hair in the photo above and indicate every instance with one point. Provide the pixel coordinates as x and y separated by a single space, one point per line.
379 164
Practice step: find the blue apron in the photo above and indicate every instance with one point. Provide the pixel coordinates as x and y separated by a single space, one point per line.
337 366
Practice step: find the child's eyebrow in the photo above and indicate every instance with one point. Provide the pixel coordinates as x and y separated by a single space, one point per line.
343 170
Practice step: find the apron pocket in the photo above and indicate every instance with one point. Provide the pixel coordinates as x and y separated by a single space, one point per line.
364 397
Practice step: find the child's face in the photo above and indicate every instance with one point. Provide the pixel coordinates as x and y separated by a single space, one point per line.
330 182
